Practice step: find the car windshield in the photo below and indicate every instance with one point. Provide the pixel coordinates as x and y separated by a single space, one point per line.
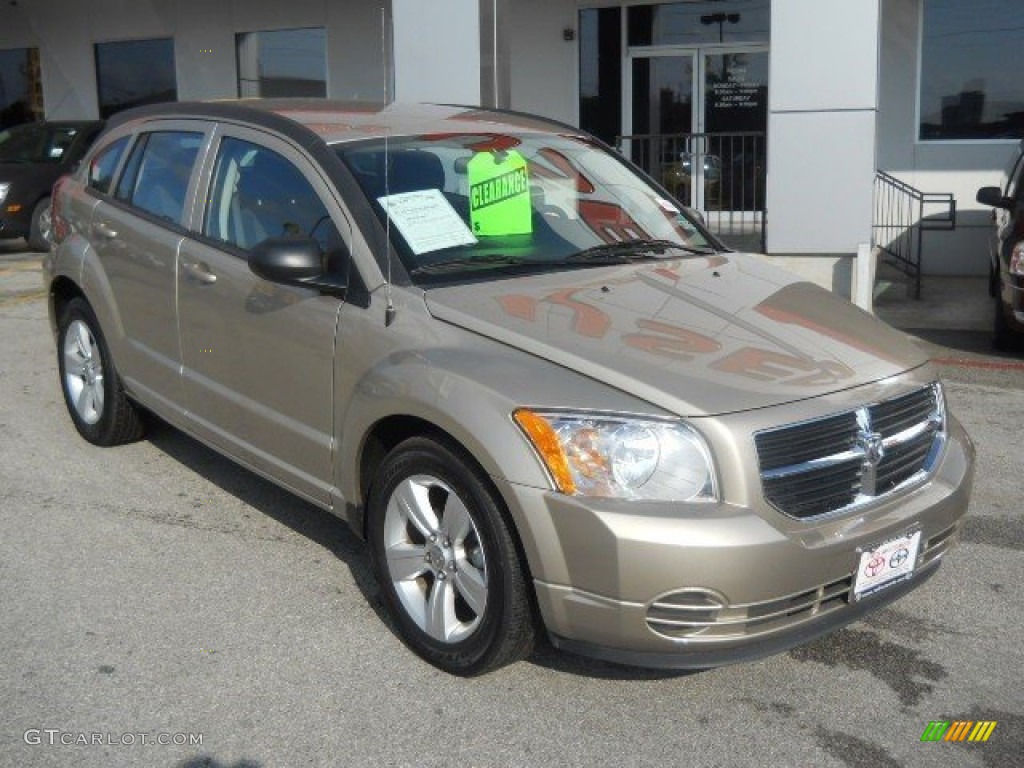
35 143
475 205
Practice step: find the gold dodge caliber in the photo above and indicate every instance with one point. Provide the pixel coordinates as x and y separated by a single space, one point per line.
540 390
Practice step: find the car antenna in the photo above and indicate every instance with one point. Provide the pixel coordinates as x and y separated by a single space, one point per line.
389 311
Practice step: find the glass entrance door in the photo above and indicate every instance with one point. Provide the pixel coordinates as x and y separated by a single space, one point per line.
697 118
734 122
664 114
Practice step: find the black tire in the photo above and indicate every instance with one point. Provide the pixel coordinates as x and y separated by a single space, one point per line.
1003 337
40 226
112 419
503 631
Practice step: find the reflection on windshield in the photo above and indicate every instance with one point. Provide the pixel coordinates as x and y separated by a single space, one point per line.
467 204
35 143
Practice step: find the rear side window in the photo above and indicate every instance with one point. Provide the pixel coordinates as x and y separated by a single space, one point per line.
259 194
104 163
156 176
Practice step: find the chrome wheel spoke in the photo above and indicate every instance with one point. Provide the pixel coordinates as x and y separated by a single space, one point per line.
74 364
84 401
84 339
406 561
456 520
441 620
471 585
97 395
413 500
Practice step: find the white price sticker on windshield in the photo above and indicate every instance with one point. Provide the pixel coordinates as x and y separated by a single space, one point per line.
426 220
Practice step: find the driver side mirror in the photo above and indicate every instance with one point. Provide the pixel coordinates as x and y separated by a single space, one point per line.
295 261
993 196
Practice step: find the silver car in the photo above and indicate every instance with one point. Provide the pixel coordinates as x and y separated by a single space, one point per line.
547 398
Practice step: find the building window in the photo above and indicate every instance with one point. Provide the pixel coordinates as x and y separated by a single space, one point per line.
972 55
601 72
131 73
21 90
282 62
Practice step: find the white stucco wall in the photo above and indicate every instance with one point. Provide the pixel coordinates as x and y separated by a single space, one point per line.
437 50
544 67
821 127
204 34
957 167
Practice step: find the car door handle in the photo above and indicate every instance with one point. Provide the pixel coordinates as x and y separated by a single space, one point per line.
104 230
199 272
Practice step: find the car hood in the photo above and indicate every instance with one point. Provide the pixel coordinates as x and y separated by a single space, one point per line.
697 336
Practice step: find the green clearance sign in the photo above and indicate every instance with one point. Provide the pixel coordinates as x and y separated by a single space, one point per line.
499 194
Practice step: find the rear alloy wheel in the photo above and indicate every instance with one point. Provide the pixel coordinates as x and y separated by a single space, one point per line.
99 408
446 560
41 226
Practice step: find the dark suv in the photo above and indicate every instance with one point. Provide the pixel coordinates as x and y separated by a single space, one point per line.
1006 255
32 157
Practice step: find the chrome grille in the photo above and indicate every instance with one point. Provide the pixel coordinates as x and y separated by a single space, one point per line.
845 460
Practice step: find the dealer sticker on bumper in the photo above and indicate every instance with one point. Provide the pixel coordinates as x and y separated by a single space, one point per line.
886 565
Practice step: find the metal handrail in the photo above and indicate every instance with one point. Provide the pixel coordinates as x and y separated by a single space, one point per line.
900 222
728 168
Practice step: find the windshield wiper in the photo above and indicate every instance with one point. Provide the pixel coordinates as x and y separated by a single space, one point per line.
476 262
632 250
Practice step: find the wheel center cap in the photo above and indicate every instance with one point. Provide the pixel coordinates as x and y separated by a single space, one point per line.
436 557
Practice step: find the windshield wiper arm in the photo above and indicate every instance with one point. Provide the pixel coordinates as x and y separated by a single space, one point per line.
473 262
630 250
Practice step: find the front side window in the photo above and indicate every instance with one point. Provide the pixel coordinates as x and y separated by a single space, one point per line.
972 55
282 63
257 194
156 176
104 163
36 143
477 205
131 73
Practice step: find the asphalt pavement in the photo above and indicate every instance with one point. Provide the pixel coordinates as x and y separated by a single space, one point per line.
157 592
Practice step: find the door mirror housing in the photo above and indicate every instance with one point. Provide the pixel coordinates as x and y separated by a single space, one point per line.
290 260
993 196
295 261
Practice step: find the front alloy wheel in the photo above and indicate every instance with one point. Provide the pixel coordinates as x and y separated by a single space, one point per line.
435 559
446 559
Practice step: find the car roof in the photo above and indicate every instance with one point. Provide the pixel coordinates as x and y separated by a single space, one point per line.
343 121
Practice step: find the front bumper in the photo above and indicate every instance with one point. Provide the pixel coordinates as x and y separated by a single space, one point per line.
653 585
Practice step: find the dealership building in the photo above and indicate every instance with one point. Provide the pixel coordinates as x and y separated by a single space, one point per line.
803 128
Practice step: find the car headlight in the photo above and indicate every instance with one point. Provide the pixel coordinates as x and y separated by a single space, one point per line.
5 187
621 457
